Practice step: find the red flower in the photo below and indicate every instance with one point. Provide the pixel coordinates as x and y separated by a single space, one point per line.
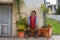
16 21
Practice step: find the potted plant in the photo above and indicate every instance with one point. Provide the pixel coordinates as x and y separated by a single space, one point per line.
21 31
45 10
21 27
50 28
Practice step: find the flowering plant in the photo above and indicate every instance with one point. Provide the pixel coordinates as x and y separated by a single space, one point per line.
44 8
21 24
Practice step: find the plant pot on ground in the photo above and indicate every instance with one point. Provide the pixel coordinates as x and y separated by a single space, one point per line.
21 31
21 27
49 29
21 34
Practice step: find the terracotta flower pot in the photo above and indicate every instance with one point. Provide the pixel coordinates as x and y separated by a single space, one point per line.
50 31
21 34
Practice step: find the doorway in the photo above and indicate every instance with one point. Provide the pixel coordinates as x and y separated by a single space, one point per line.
5 20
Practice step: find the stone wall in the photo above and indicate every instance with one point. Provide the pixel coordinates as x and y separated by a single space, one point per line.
26 10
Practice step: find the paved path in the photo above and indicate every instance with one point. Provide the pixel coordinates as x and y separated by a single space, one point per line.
55 37
9 38
56 17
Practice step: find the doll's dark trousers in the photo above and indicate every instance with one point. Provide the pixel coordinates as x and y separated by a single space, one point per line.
28 32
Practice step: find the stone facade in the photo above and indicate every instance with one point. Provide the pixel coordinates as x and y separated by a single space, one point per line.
25 10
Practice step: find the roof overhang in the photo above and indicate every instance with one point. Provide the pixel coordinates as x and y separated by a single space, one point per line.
6 0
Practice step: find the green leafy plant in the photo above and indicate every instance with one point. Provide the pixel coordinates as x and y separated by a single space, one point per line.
19 4
45 10
21 24
58 10
21 28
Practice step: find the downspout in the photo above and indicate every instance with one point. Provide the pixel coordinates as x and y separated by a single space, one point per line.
18 5
44 15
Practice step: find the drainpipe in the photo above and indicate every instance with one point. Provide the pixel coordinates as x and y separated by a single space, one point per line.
17 5
44 1
44 15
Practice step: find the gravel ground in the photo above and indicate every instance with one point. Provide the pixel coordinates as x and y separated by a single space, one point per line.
14 38
55 37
